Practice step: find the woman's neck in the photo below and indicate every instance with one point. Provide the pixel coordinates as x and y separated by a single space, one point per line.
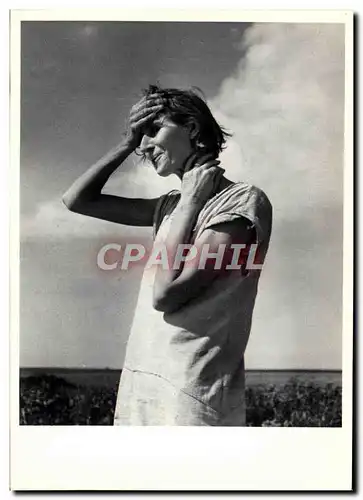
223 183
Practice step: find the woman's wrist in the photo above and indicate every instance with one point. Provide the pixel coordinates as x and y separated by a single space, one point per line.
128 142
189 205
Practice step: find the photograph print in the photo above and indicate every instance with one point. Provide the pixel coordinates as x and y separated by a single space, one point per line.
181 223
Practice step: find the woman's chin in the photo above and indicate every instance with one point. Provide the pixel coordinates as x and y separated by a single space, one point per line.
164 170
162 173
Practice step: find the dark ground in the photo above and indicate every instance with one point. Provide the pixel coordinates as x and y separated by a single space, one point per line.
52 400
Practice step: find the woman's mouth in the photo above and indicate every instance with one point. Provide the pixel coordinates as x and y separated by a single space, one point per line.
156 158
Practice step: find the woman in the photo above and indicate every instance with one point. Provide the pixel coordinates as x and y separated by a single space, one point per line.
185 356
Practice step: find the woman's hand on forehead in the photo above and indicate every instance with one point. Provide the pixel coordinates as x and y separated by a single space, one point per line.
142 114
147 107
148 102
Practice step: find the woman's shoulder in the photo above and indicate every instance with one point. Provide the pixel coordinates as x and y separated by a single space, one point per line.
247 190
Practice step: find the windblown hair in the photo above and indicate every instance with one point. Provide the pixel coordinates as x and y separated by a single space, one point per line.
185 107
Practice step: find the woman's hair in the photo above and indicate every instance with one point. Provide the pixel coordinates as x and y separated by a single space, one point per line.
185 107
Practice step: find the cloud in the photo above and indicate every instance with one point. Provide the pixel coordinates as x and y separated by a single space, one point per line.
285 106
53 220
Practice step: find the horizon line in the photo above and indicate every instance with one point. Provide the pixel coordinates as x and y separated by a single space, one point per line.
67 369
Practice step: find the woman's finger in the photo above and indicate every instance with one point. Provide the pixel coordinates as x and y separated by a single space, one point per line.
200 162
145 98
145 109
210 164
190 162
215 170
145 113
151 101
147 103
142 121
206 157
153 96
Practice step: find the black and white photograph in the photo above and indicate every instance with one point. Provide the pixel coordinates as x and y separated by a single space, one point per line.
183 227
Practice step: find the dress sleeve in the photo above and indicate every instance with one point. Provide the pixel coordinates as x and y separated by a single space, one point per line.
251 204
165 205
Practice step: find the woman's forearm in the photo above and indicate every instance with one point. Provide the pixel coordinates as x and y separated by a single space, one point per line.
89 185
184 218
198 184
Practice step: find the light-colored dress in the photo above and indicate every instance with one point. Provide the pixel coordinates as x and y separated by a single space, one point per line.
187 367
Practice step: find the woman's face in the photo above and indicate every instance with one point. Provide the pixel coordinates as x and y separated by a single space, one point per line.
167 146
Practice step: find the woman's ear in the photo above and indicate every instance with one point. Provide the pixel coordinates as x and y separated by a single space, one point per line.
193 130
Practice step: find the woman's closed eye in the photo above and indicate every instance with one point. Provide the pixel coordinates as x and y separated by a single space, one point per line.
152 129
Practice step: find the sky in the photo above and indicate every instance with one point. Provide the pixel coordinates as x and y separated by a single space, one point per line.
278 87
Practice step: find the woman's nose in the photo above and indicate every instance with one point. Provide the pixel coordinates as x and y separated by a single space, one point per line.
146 143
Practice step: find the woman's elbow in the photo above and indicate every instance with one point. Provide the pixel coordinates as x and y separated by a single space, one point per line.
160 305
68 203
164 304
71 202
